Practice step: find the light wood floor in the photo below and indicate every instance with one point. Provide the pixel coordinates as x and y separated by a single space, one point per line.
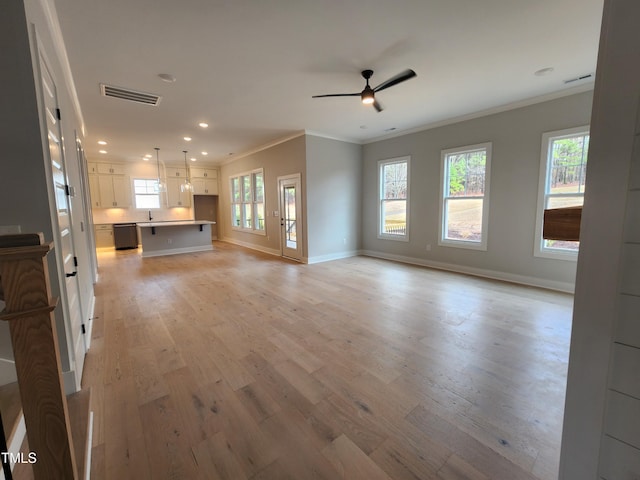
233 364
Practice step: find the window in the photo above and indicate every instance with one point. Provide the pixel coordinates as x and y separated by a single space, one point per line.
247 201
563 168
464 210
394 199
146 193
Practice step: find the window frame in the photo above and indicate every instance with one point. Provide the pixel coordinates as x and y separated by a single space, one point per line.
381 164
155 193
243 202
539 250
484 233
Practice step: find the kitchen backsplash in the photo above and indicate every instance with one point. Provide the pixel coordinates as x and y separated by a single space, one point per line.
123 215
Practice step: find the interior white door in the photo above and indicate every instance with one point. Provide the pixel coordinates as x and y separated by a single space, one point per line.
290 216
71 294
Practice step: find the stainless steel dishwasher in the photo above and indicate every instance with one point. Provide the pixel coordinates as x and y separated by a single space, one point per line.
125 235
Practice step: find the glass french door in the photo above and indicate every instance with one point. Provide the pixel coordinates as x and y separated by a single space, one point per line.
290 217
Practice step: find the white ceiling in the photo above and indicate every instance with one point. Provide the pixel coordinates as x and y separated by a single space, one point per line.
249 67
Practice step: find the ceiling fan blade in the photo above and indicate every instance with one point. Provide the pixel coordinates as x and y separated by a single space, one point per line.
401 77
337 95
377 106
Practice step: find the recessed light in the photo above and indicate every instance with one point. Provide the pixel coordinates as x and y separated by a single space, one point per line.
167 77
102 151
543 71
188 139
194 159
203 124
145 158
204 153
148 155
101 142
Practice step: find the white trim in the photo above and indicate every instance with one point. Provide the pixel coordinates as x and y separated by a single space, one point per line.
51 15
252 246
265 146
331 256
88 327
379 234
482 244
301 224
490 111
69 382
538 250
16 442
251 174
175 251
87 461
566 287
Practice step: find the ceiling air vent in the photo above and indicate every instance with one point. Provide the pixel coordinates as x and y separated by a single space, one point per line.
577 79
130 95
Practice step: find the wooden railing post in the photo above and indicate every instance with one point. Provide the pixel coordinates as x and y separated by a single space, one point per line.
29 310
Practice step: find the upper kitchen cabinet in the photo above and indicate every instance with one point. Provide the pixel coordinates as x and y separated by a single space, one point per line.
204 180
109 186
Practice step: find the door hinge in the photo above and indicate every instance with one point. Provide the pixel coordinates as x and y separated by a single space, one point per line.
75 261
58 116
84 331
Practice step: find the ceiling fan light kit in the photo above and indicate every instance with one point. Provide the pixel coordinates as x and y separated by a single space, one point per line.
368 95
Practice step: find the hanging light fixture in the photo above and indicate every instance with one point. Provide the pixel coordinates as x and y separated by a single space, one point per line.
161 186
186 186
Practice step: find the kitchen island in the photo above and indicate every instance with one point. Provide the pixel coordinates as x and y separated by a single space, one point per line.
170 238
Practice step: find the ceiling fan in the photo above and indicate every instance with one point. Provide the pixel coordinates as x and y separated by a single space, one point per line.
368 94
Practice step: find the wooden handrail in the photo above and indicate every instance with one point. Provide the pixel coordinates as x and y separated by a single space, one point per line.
24 277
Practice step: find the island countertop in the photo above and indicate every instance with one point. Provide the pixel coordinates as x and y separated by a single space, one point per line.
171 223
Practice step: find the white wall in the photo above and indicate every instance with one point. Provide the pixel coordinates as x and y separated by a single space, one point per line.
601 437
334 198
516 138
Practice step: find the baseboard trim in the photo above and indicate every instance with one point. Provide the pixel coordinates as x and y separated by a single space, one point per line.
252 246
89 324
565 287
332 256
176 251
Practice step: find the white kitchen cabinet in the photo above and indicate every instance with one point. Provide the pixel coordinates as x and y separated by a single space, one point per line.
110 168
113 191
176 197
92 167
204 180
205 186
199 172
176 172
104 236
94 190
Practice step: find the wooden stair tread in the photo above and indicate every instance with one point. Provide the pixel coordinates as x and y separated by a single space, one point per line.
78 405
11 408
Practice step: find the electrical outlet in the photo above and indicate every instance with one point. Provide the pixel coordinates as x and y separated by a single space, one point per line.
169 241
428 247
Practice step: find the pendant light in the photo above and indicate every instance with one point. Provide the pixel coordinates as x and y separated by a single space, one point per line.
186 186
161 186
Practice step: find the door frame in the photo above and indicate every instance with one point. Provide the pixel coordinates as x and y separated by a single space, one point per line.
297 254
72 378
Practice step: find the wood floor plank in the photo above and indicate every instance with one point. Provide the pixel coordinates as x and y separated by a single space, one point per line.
351 462
234 364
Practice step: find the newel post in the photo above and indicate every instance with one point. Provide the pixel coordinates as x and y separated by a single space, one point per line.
29 309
